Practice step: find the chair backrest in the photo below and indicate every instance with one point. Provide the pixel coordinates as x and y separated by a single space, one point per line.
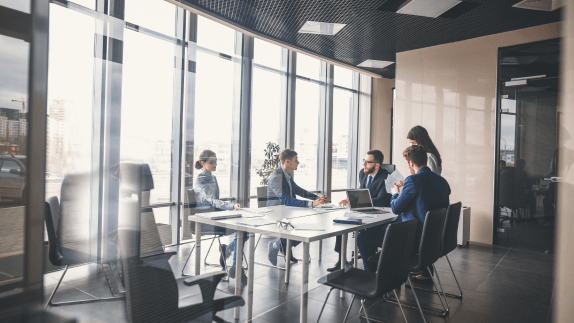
431 238
388 167
450 232
151 289
52 219
192 206
392 270
262 196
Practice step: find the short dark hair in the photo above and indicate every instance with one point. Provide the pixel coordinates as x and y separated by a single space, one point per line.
377 155
416 154
287 154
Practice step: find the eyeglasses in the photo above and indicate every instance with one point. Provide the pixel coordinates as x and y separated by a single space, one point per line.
284 225
368 162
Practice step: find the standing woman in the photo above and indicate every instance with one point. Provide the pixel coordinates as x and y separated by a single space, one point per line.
207 193
419 136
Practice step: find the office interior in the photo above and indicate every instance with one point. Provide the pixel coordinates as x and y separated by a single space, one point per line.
92 90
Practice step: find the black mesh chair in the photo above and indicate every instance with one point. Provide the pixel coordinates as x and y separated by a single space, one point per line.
62 256
429 253
154 295
449 240
392 269
388 167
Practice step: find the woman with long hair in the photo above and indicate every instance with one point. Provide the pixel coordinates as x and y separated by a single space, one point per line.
207 193
419 136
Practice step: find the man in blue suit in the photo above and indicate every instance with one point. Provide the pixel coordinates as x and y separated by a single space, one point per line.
373 177
282 190
421 192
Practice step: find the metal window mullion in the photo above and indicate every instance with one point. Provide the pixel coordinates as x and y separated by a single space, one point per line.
38 98
177 125
241 147
325 145
352 157
289 61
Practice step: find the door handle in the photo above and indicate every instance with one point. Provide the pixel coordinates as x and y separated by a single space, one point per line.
556 179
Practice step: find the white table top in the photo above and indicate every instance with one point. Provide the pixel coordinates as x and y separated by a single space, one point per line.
323 218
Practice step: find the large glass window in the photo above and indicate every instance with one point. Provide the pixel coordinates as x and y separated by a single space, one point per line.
214 98
158 16
307 106
342 109
268 76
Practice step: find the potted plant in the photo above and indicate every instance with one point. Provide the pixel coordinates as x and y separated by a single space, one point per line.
270 164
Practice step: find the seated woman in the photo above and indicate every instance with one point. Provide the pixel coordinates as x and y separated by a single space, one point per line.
207 193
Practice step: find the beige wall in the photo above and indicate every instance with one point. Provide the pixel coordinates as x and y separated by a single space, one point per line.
450 90
381 106
564 305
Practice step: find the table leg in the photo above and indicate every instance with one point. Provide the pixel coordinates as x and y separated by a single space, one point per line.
356 260
238 268
304 283
197 248
287 261
250 276
344 256
320 249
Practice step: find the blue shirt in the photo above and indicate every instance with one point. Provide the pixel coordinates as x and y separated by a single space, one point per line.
207 192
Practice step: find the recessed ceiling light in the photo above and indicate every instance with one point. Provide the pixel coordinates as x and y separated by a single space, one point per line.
321 28
427 8
371 63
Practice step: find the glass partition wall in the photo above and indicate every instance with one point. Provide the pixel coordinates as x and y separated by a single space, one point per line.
161 94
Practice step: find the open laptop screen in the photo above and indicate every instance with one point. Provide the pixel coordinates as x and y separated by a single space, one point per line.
359 198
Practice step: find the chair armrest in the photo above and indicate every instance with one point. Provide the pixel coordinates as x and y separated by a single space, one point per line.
213 277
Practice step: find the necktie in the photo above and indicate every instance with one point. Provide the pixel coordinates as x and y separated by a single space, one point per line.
369 183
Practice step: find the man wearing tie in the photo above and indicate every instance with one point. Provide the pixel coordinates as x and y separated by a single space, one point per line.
282 190
371 177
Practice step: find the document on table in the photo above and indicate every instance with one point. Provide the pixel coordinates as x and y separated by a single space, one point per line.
307 226
359 215
329 206
393 178
256 222
254 213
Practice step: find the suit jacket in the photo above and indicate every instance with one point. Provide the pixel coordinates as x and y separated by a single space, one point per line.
422 192
378 190
207 192
280 193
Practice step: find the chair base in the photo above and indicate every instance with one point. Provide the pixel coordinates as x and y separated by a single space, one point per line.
426 309
434 291
50 303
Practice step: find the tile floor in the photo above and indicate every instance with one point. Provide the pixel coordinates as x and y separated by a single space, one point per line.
500 284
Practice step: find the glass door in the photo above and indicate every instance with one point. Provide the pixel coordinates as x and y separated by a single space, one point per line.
525 208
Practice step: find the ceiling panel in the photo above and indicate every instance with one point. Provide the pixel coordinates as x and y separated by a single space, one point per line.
370 33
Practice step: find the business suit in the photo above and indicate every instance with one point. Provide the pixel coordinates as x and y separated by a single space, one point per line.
282 190
378 191
421 192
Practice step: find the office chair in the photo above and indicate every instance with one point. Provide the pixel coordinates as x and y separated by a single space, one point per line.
429 253
52 218
392 270
449 239
388 167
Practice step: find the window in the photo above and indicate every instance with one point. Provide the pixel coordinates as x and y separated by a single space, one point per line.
307 106
8 165
214 91
342 113
158 16
268 81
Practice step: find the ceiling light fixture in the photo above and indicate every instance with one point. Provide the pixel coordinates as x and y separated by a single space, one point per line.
371 63
427 8
321 28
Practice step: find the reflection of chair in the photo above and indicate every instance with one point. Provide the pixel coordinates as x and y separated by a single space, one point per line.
388 167
262 196
511 194
391 269
72 257
206 229
153 293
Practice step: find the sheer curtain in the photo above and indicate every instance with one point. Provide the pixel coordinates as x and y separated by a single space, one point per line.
365 89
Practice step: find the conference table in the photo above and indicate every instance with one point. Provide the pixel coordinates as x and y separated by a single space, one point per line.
298 217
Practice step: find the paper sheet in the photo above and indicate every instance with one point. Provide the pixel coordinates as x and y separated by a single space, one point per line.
358 215
256 222
257 210
329 206
307 226
393 178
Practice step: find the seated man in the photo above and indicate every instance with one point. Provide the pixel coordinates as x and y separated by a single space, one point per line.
421 192
282 190
373 178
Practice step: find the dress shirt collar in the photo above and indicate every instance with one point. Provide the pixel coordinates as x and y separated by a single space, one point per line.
286 175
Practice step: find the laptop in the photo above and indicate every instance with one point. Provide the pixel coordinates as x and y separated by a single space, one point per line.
360 201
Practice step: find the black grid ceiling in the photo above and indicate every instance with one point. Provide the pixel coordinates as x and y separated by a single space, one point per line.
370 33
